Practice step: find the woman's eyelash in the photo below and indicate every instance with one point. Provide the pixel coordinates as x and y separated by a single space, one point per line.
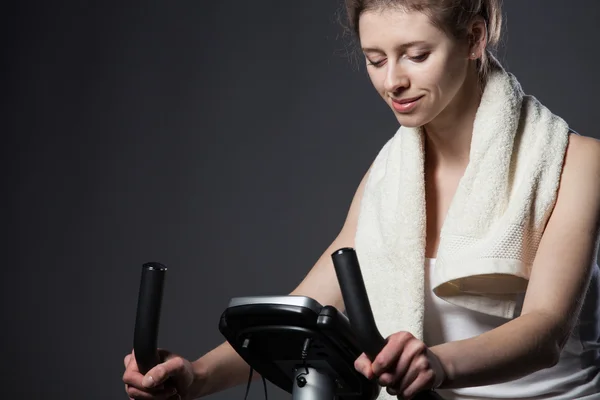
420 57
417 58
375 63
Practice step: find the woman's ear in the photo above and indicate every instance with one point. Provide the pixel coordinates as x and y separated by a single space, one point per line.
477 35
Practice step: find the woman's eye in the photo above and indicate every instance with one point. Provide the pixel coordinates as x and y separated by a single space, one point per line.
419 57
375 63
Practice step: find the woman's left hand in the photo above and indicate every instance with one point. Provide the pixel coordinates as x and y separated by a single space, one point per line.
405 366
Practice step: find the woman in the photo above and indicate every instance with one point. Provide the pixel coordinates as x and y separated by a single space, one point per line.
429 60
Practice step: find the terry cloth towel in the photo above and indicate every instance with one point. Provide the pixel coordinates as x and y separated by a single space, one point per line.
495 222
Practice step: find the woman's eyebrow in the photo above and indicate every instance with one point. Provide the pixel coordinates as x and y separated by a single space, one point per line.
400 47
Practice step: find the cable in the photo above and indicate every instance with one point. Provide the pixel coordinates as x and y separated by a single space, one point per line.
305 348
265 386
249 383
300 379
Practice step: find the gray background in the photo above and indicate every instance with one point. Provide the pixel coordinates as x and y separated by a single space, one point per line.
222 138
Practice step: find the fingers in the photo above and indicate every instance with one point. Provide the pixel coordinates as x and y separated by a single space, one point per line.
402 366
163 394
388 356
418 367
163 371
363 365
130 362
418 377
423 381
136 390
425 372
132 375
410 363
139 386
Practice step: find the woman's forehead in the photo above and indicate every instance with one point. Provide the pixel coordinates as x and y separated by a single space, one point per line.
381 27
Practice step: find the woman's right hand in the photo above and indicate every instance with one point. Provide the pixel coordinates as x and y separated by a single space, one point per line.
154 385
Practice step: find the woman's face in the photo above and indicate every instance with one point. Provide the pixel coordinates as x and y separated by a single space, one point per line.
415 67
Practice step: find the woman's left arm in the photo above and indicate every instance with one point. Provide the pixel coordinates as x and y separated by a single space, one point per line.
556 289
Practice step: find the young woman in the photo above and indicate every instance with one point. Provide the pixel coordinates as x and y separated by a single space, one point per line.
431 63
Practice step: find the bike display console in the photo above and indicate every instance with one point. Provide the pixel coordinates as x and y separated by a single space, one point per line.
299 345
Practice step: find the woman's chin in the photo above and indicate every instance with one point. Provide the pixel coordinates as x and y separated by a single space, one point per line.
411 121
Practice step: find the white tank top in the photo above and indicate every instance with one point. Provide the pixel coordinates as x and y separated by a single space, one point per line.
575 376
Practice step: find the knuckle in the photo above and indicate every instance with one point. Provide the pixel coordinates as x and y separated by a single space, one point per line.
420 346
384 380
127 377
422 363
395 338
178 363
401 337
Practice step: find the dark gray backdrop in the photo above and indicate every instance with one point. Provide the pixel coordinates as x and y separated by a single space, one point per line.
224 139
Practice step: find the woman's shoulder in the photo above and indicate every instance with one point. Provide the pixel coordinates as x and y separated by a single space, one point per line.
583 153
580 138
579 188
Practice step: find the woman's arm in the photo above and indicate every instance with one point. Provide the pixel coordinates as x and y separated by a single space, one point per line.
557 286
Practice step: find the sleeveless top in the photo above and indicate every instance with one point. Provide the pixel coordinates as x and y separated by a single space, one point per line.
575 376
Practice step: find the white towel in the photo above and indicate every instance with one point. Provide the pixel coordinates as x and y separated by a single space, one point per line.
493 227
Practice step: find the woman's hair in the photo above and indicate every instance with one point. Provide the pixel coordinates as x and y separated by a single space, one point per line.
451 16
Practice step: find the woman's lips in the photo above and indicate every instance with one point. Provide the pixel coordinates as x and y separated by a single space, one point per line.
405 105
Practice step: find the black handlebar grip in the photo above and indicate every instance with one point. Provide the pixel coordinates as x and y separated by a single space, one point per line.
356 301
148 316
359 309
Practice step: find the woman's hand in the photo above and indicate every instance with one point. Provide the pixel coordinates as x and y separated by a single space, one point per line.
152 385
405 366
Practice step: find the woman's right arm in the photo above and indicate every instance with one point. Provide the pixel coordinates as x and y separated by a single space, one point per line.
223 368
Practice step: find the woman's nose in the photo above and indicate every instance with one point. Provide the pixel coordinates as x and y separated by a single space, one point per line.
395 79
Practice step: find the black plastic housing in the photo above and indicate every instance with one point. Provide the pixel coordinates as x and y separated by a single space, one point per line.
148 315
270 338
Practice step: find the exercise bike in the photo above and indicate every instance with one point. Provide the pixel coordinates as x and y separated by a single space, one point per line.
299 345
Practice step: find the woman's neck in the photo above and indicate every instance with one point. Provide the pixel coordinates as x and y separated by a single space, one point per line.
448 136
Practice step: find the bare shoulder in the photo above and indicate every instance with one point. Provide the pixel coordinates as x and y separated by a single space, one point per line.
582 160
579 190
584 145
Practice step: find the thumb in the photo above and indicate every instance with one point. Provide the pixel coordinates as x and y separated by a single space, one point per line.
163 371
156 376
363 365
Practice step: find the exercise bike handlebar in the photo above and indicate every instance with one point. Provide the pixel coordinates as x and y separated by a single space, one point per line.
147 319
356 301
359 309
